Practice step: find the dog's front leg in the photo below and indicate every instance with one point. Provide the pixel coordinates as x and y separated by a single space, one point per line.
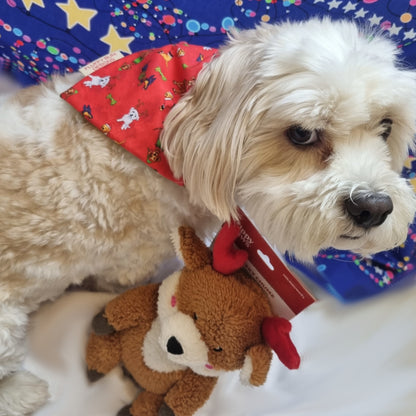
21 393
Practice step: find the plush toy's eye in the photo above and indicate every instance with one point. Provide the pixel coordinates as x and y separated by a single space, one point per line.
218 349
195 316
387 124
301 136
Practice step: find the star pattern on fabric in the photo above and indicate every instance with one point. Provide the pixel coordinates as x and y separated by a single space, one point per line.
375 20
378 270
410 34
334 4
361 13
28 3
395 30
116 42
349 7
76 15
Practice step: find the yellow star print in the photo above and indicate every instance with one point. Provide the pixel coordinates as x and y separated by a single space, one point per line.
408 164
116 42
77 15
28 3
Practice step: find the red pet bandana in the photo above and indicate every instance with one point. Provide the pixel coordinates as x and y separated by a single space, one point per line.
129 99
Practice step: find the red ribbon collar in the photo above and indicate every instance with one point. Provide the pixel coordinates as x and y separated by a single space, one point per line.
129 99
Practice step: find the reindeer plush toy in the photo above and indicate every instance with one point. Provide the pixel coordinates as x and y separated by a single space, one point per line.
177 337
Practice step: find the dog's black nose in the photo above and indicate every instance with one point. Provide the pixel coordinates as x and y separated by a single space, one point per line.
174 346
369 210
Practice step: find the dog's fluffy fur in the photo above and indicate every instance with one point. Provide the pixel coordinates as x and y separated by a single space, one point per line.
73 203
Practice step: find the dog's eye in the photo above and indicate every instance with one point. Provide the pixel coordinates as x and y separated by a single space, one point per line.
301 136
217 349
195 316
387 124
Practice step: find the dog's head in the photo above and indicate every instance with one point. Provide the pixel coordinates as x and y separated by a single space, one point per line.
307 126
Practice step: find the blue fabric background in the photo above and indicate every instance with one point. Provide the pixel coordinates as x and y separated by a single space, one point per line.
40 37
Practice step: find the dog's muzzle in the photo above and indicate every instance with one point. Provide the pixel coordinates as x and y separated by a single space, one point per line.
370 209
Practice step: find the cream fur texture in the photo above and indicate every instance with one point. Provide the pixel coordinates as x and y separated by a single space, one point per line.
288 121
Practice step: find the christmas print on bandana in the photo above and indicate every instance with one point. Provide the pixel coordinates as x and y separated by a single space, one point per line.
129 99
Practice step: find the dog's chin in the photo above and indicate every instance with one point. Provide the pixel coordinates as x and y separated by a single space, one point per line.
368 243
361 244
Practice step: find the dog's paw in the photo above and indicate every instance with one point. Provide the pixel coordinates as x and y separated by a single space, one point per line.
22 393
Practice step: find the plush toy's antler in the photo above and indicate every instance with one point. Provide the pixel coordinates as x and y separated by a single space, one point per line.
276 333
226 258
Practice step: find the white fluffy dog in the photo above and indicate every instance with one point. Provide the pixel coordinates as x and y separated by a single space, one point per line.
305 125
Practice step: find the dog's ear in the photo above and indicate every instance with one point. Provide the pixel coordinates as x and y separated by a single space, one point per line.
204 133
256 365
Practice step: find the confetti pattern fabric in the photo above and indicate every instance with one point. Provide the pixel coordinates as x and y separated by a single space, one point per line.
41 37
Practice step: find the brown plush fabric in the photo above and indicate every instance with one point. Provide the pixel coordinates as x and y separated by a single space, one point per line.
139 308
261 356
186 397
132 307
194 252
146 404
227 312
103 352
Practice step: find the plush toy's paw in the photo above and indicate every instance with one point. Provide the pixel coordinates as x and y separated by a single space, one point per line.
125 411
94 375
100 324
165 410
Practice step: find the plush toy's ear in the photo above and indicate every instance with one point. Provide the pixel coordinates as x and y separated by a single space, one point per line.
194 253
256 365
